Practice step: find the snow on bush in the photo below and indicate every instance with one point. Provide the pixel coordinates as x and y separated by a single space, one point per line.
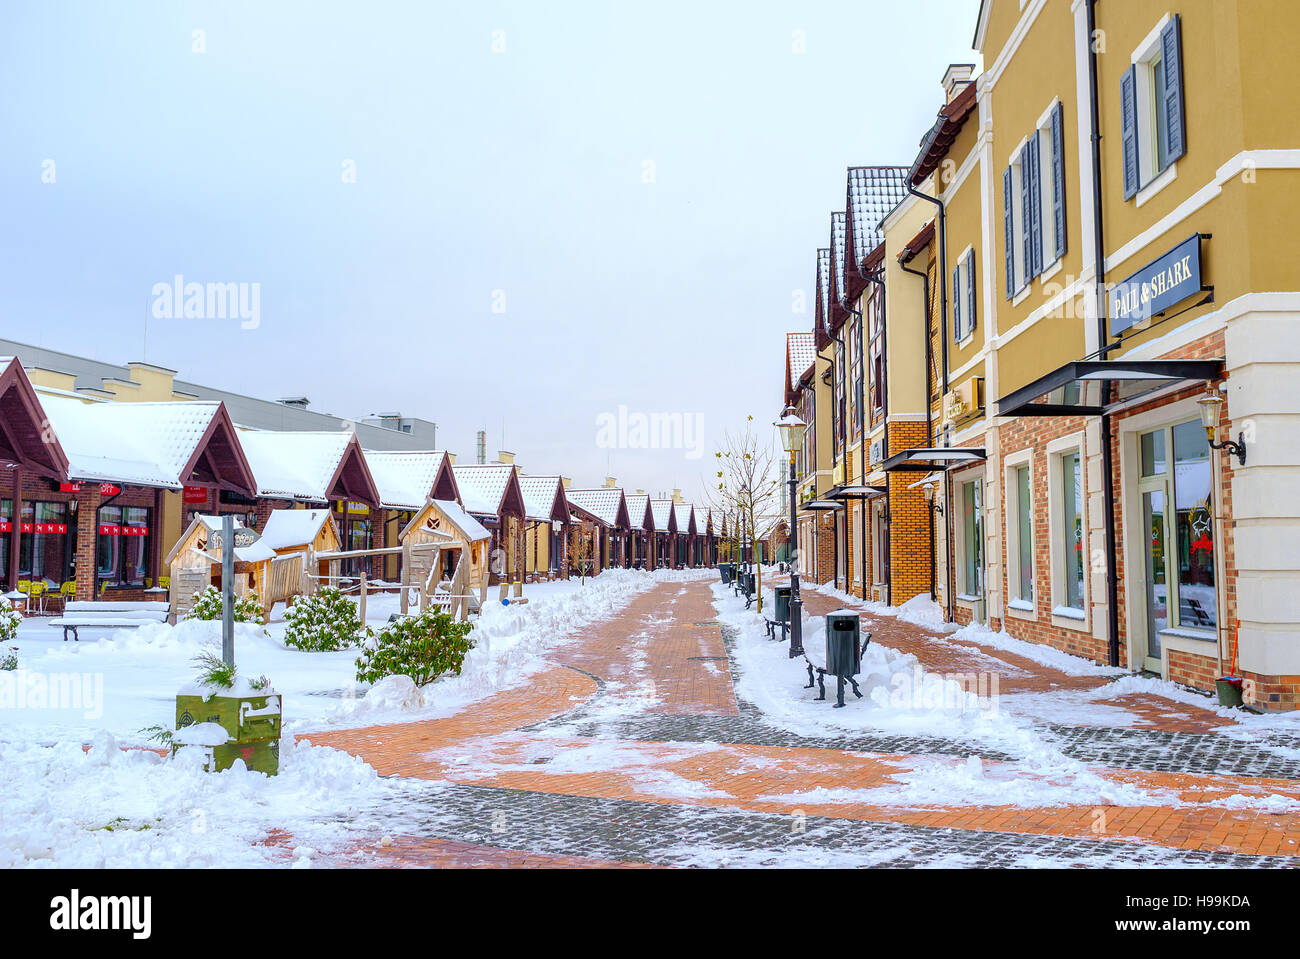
325 622
10 620
207 606
422 647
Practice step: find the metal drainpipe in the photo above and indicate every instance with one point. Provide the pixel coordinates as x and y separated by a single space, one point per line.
942 229
929 386
1107 465
878 279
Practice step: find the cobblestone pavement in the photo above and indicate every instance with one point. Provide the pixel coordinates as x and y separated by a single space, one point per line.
634 748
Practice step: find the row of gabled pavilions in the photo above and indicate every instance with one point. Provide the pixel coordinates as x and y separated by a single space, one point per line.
97 492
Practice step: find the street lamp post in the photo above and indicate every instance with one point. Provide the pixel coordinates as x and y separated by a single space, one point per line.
792 430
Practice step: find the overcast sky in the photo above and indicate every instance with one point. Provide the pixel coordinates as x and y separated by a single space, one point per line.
510 216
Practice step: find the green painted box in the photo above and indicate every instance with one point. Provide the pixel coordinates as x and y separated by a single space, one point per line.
252 722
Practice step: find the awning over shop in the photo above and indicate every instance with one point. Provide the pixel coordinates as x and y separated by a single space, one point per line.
819 505
856 492
1094 387
926 480
928 459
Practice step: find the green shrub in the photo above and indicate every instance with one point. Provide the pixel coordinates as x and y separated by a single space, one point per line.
207 606
423 647
324 622
10 620
213 670
9 659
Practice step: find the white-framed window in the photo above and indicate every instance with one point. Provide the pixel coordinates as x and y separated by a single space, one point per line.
964 311
856 520
1033 202
970 538
1019 514
1152 112
1068 528
878 532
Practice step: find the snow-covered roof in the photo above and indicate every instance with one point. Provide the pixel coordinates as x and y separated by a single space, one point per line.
294 465
539 496
602 503
872 192
685 511
404 478
636 504
287 528
838 291
662 509
482 486
142 444
823 289
800 354
472 528
766 525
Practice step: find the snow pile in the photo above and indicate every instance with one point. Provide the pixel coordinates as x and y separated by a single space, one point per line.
109 807
1044 655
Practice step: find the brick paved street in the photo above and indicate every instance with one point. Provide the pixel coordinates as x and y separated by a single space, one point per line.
635 747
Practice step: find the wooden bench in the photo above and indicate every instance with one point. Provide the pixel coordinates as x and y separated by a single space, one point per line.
126 615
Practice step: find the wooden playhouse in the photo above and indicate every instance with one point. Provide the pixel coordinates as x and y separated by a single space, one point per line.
445 558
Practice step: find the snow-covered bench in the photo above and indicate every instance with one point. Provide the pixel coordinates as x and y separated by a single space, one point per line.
127 615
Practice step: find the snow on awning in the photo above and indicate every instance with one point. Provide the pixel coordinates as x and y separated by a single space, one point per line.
856 492
820 505
1095 387
931 459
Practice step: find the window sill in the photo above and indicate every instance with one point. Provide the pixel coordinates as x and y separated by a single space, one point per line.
1165 178
1067 617
968 600
1054 268
1019 609
1021 296
1204 636
1021 604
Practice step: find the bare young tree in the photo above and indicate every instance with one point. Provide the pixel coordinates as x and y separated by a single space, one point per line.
747 489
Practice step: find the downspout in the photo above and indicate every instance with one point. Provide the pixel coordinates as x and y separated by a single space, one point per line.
878 279
1107 465
929 388
942 229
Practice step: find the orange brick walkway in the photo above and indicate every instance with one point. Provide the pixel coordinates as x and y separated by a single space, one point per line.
666 652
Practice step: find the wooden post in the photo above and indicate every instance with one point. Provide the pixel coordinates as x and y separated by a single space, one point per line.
404 602
228 589
362 604
15 541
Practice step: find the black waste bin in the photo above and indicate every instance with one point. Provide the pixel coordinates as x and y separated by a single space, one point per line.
843 643
783 604
728 572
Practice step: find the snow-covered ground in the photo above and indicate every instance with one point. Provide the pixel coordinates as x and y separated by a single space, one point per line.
63 804
126 680
900 698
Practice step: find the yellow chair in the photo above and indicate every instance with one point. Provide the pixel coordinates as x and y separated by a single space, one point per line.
68 592
165 582
36 593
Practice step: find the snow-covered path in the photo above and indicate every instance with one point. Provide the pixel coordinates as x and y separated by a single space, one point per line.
650 720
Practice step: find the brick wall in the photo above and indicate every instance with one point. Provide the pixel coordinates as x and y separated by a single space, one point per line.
910 561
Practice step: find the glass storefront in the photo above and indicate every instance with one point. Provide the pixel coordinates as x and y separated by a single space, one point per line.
122 547
46 545
1177 495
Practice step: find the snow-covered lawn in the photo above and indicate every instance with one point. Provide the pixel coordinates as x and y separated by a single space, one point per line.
61 804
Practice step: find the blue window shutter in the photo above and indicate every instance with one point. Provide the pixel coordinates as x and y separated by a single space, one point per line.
1026 218
1009 230
1058 177
1172 115
970 291
957 333
1129 131
1033 153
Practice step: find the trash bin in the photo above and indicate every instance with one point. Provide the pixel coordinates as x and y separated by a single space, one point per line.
783 604
727 571
843 643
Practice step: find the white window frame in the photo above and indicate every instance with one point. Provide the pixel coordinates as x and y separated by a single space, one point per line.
1067 617
1047 193
1018 225
1017 607
965 595
878 543
1150 179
